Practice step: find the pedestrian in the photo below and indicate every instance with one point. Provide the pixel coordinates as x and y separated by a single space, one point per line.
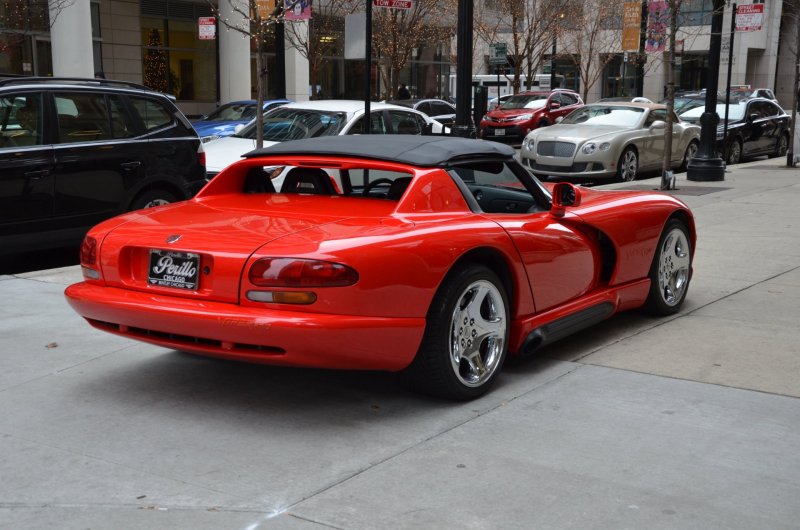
403 93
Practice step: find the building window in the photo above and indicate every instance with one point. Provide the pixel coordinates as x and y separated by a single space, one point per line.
696 13
175 60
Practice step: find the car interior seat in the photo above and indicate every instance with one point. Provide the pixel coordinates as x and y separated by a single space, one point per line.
311 180
398 187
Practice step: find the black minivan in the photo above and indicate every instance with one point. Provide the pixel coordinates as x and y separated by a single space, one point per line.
74 152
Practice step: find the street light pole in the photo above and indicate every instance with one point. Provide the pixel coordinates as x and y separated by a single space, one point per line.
553 64
706 164
463 126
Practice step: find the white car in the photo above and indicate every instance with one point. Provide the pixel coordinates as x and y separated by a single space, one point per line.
311 119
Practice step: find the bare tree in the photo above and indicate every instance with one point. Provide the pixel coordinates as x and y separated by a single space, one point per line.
590 39
397 32
529 25
258 26
325 28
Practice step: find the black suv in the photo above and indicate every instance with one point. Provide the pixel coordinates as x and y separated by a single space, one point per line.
74 152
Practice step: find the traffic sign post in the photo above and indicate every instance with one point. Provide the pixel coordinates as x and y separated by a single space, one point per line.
498 57
394 4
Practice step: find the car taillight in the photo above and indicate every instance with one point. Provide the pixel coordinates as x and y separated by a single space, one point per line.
89 251
89 258
201 155
297 272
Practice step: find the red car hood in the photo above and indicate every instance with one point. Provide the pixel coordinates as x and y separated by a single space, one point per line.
224 231
503 113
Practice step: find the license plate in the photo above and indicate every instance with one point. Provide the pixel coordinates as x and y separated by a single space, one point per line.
500 132
173 269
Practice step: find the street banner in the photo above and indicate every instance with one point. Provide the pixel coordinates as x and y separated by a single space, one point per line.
300 11
657 24
749 17
206 28
631 26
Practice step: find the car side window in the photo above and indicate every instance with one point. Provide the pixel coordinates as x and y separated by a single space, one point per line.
404 122
425 108
153 114
556 98
377 124
122 126
496 188
568 99
21 120
82 117
654 116
771 109
440 109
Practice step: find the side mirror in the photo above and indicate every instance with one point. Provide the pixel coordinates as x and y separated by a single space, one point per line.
238 128
428 129
658 125
752 117
564 195
555 105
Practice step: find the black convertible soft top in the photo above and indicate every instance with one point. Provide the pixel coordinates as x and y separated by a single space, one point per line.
423 151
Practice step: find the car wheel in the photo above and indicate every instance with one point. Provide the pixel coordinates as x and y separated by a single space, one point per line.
466 335
782 147
152 198
691 151
670 271
735 152
628 165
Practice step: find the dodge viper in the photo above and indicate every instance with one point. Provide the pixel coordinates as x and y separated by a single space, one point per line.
437 256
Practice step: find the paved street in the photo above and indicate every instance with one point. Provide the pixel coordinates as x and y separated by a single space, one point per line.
688 422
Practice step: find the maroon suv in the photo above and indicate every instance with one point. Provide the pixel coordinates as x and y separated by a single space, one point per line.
526 111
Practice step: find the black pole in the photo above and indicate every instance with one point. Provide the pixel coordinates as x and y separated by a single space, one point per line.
706 165
280 61
553 65
730 67
368 68
463 126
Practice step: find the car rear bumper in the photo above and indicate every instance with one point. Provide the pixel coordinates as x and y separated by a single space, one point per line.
251 334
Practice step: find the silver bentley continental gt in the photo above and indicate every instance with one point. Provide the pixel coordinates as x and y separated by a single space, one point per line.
609 140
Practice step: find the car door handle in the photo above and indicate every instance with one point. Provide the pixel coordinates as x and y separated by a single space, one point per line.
131 165
37 174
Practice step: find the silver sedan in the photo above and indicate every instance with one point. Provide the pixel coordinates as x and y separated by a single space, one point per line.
607 140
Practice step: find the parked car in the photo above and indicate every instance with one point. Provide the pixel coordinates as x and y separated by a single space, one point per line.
76 151
527 111
496 102
756 126
224 119
450 259
438 109
310 119
607 140
744 91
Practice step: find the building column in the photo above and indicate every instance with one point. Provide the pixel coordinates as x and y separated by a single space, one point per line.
71 38
234 55
297 66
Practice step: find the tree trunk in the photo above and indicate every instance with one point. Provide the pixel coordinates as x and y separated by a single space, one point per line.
667 182
790 152
261 75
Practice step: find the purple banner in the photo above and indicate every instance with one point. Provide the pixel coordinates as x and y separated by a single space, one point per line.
657 24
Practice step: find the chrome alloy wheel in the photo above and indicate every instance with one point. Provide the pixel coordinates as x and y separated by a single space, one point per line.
156 202
735 153
629 164
673 267
477 333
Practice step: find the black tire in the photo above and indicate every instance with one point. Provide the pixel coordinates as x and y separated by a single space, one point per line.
151 198
670 271
691 151
628 165
734 155
465 290
782 147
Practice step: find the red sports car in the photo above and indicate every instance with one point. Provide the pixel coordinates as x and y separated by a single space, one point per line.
433 255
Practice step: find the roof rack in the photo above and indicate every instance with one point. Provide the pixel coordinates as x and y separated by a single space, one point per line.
85 80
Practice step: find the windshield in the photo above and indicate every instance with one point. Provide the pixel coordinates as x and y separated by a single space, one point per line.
605 115
525 101
735 112
284 124
233 112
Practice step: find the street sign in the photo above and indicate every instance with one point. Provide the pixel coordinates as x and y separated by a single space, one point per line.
393 4
206 28
498 53
631 25
749 17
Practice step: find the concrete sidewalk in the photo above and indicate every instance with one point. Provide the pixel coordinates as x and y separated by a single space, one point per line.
687 422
